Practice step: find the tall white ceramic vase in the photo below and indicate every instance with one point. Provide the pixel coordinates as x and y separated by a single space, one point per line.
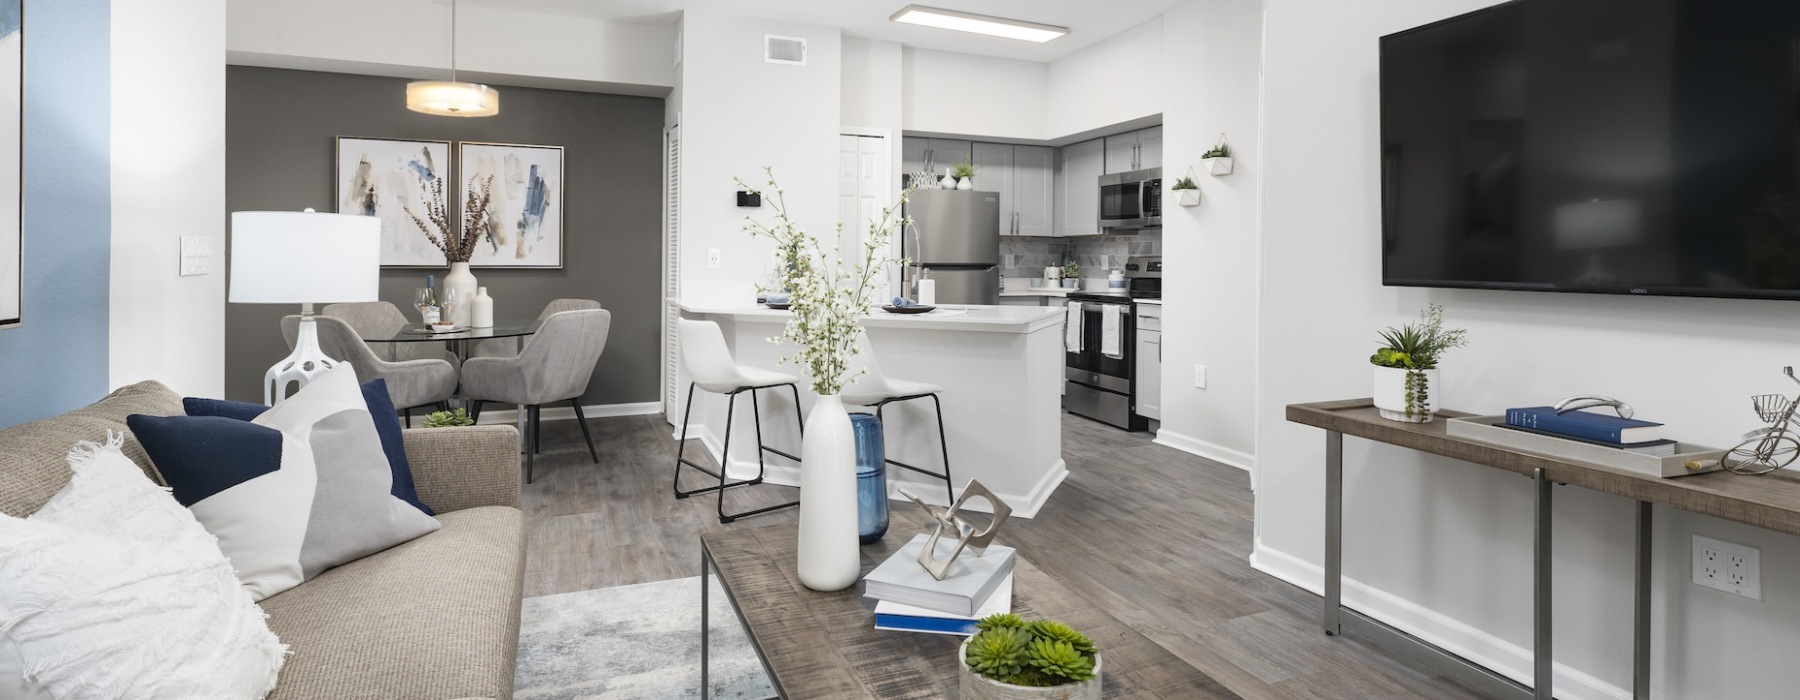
829 558
461 282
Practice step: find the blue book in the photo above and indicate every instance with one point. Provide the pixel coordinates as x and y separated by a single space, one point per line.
890 615
1582 424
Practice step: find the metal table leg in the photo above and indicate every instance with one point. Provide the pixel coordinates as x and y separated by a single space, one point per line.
1640 628
1542 683
1334 529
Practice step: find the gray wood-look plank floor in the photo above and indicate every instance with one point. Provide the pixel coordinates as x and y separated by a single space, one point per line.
1158 538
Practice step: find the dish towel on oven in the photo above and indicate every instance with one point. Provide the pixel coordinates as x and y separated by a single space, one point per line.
1072 327
1111 339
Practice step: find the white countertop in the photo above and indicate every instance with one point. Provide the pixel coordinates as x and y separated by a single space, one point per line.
1037 292
953 317
1152 302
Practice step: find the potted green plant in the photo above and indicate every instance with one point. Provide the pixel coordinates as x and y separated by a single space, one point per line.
1187 192
964 172
1071 278
1011 659
1218 160
448 419
1406 366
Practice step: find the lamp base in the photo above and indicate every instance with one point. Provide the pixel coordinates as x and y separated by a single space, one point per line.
303 365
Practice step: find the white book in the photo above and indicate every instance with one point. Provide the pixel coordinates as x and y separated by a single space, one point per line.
965 588
900 617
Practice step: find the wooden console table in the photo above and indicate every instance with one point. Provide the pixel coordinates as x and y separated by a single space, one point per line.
1771 502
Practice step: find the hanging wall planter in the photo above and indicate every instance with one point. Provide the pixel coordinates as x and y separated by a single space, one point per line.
1218 160
1186 191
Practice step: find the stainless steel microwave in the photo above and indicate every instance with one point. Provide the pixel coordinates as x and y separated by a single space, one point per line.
1131 199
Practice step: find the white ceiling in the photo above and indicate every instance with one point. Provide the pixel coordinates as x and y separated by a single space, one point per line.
1089 21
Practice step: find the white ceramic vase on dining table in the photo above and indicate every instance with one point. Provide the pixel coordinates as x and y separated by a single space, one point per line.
459 291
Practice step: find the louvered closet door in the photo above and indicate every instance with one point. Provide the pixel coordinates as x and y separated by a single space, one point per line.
671 275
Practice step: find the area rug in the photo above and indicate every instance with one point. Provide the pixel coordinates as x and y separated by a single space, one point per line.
632 643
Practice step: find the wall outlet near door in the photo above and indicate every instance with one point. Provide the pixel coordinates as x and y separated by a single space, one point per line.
712 258
1732 568
1199 376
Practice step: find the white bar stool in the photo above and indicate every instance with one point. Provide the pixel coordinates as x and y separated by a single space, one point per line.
710 367
873 389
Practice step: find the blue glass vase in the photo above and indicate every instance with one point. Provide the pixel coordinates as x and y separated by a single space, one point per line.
871 478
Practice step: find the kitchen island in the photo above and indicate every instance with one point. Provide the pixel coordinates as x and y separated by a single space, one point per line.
1001 368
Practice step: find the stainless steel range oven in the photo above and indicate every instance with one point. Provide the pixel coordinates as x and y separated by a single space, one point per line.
1100 384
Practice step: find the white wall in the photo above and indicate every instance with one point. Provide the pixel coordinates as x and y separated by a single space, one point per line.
410 38
1117 80
168 181
1212 84
974 96
1442 546
739 114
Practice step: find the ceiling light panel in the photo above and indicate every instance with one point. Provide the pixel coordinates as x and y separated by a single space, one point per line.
978 24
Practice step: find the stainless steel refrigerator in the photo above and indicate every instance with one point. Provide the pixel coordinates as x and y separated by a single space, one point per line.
955 240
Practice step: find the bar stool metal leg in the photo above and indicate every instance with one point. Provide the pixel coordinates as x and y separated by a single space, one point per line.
730 412
943 442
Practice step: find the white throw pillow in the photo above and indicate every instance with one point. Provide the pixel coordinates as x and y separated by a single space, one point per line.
114 590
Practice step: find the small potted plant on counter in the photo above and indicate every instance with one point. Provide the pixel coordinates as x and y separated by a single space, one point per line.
1071 278
1185 189
1011 659
1218 160
964 172
1406 367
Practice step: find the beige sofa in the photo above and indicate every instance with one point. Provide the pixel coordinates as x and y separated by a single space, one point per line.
436 618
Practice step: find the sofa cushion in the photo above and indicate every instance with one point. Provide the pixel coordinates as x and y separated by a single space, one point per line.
32 455
437 617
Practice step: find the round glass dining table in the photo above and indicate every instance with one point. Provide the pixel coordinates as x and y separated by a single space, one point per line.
460 342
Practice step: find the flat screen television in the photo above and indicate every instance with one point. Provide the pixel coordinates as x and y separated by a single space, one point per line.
1609 146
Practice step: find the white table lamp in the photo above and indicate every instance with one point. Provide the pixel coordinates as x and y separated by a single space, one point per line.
285 257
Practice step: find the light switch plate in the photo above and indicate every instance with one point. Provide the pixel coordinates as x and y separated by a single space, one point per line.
196 255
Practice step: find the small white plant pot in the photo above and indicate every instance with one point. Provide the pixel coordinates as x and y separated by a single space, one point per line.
1187 198
978 687
1216 166
967 183
1391 388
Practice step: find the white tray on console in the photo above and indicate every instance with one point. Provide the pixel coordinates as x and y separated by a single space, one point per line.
1492 430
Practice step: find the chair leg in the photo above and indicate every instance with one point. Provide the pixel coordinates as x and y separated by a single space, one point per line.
531 426
475 410
725 454
537 436
582 419
408 413
798 419
681 443
944 444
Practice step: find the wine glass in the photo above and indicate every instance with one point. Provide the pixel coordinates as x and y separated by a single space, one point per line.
424 298
447 305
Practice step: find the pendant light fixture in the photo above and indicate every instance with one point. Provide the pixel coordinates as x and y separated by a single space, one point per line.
451 98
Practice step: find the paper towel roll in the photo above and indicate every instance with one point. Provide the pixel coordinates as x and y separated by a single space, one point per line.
927 292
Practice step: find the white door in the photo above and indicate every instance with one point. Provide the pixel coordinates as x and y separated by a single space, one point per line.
671 369
862 190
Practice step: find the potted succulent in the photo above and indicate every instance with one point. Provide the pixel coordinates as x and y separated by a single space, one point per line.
1185 189
1406 367
1011 659
1071 278
1217 160
449 419
964 172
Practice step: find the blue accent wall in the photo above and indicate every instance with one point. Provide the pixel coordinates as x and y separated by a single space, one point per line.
57 360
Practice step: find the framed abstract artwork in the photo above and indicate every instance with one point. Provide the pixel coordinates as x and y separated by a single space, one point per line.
12 111
523 188
405 183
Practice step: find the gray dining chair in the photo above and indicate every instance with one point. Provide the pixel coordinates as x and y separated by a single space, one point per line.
381 314
411 383
508 347
555 366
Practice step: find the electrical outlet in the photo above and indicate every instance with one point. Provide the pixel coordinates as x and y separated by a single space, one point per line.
1732 568
712 258
1199 376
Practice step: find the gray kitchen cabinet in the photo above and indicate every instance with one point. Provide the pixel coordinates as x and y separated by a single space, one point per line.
1033 188
1149 361
1077 188
994 173
935 155
1134 150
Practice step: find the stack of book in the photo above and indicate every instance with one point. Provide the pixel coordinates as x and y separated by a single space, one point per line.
1639 436
908 598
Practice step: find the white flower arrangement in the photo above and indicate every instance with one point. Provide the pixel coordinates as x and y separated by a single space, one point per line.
826 299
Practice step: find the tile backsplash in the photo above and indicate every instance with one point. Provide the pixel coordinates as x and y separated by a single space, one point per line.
1027 257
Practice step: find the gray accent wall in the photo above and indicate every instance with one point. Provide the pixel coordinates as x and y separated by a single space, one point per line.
281 127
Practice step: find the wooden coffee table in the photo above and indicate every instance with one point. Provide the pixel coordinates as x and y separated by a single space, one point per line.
825 645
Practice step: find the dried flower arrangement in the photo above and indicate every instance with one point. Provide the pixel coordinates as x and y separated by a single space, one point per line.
436 222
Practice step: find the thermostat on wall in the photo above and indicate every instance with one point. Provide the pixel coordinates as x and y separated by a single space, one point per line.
747 198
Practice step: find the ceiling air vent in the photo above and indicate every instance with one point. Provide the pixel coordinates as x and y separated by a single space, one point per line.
784 49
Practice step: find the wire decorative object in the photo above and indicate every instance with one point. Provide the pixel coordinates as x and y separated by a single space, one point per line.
1771 447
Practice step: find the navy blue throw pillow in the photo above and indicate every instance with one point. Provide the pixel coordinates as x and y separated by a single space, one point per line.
387 425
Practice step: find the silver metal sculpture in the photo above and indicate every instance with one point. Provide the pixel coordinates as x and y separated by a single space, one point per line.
1579 402
1770 448
967 536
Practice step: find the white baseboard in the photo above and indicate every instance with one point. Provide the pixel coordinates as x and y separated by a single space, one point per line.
612 410
1452 635
1215 452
